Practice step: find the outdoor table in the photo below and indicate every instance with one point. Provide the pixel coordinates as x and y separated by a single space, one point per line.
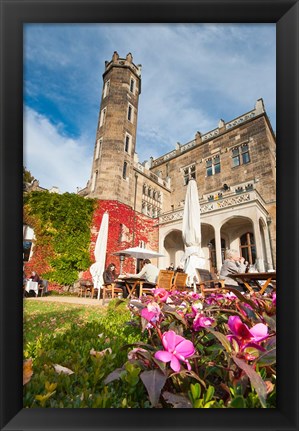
256 277
32 285
131 284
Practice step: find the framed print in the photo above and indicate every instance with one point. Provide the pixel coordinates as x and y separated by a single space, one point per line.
15 16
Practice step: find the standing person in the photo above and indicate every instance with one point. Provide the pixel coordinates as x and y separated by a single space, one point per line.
233 264
110 276
149 272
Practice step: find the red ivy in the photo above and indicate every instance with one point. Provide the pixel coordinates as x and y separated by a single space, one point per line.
144 229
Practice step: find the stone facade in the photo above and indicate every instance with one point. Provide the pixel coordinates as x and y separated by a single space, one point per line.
234 166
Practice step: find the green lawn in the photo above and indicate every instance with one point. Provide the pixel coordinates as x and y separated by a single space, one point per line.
42 318
64 334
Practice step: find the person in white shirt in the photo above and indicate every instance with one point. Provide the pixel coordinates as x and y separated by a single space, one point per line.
149 272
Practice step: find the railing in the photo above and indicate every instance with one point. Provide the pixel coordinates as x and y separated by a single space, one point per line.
216 204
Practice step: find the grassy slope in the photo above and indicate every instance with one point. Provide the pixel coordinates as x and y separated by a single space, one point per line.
64 334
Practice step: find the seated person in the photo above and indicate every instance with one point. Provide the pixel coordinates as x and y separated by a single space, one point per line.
233 264
35 277
149 272
110 276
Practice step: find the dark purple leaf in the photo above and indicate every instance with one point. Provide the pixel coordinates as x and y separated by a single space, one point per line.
240 296
154 381
271 321
113 376
255 379
178 401
267 358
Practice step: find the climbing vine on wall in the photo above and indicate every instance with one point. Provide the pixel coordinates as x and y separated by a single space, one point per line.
61 225
66 228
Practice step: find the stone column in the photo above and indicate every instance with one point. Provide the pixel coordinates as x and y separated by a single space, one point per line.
258 245
268 248
218 248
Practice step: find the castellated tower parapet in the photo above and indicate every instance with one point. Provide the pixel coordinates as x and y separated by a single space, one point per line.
112 173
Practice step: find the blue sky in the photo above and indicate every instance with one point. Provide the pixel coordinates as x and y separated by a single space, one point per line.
193 75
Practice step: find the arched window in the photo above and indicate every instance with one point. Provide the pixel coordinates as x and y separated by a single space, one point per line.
247 246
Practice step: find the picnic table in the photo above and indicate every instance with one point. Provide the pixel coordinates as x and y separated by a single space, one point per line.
256 278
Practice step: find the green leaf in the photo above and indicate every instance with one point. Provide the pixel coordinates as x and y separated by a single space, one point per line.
209 394
195 390
238 403
255 379
222 338
154 381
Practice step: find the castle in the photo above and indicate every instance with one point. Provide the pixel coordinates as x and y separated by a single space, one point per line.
234 166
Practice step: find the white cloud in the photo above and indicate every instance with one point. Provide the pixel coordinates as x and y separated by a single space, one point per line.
192 75
54 159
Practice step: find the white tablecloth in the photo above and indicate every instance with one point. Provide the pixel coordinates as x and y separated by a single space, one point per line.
32 285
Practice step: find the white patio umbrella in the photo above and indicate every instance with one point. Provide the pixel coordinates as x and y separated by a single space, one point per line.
193 257
98 267
139 253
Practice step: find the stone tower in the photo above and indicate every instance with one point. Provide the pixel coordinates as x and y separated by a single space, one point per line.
112 176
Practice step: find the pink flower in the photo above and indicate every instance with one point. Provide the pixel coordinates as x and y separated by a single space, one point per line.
194 295
274 298
151 313
244 336
177 349
161 294
201 321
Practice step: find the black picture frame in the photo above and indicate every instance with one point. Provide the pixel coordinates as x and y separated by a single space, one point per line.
13 15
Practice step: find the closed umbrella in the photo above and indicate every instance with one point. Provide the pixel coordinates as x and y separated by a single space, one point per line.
193 257
98 267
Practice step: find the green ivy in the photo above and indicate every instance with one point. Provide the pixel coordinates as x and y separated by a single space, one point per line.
64 222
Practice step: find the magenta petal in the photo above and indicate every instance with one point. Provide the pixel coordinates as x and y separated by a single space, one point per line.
163 356
239 328
169 340
175 364
185 348
147 315
259 331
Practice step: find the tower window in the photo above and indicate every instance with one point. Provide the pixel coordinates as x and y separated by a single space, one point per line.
213 166
94 180
98 149
132 85
127 143
106 89
125 170
103 116
189 173
240 155
130 113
